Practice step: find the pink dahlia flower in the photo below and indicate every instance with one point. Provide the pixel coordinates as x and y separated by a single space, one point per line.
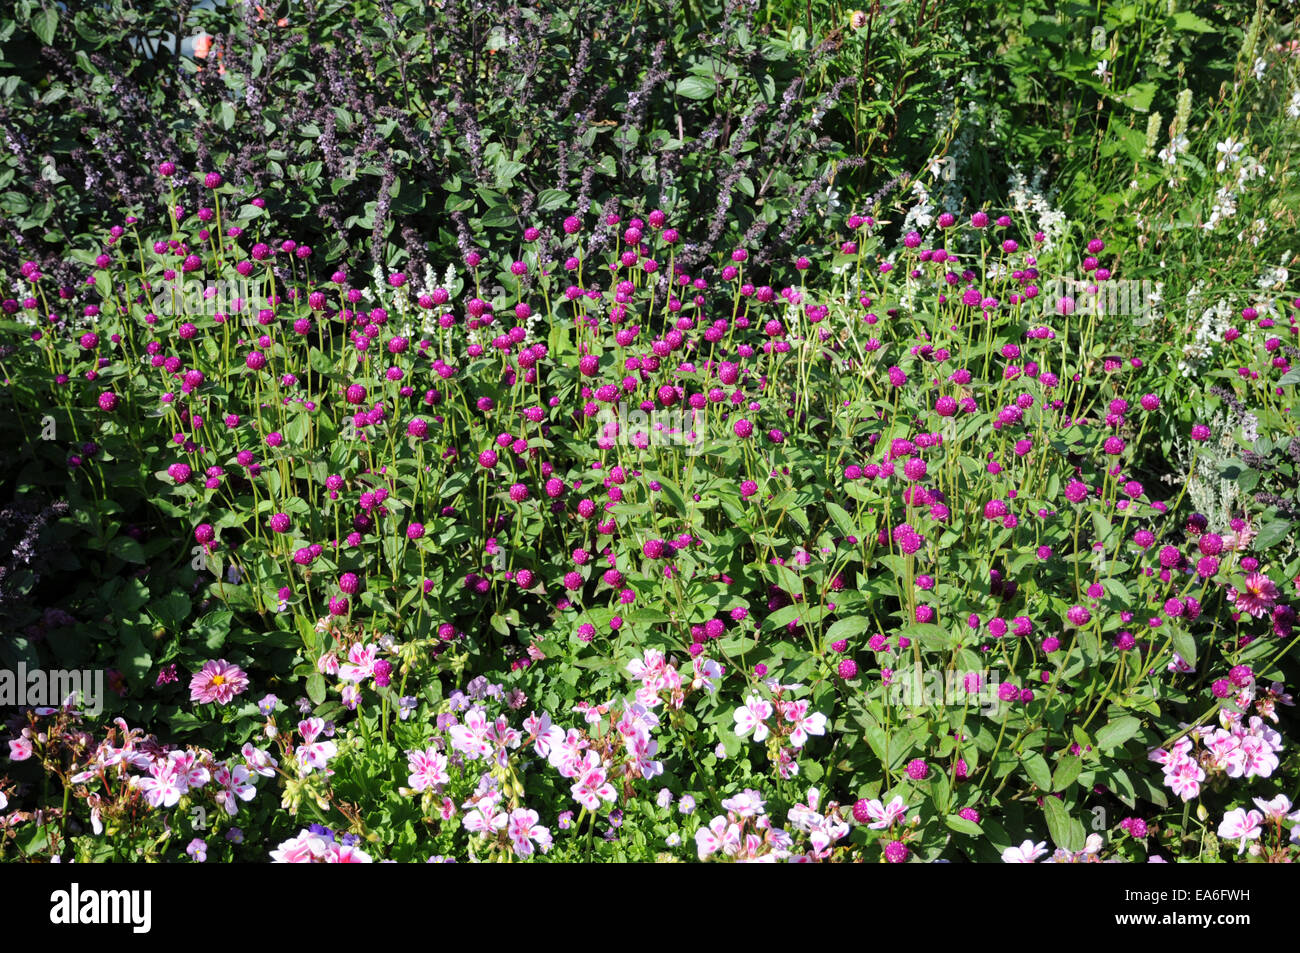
218 681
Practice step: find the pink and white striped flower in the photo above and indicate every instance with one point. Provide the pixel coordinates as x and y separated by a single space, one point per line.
428 769
1241 825
236 785
752 716
524 831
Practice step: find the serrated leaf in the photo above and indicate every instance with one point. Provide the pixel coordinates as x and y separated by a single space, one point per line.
696 87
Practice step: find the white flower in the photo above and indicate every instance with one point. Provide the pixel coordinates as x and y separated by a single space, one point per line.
1229 149
1026 853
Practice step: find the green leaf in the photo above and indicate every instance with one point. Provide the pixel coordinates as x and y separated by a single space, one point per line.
963 826
1117 732
1270 534
548 200
316 687
843 522
696 87
1067 770
1190 22
213 629
45 23
172 608
126 549
1067 833
1185 645
499 216
847 628
1037 770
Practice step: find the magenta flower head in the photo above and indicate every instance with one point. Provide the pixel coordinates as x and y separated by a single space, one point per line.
1078 615
847 669
280 522
979 220
896 852
415 531
166 169
349 583
204 534
744 428
861 811
212 180
917 769
356 394
338 606
1200 433
108 401
218 681
518 493
180 473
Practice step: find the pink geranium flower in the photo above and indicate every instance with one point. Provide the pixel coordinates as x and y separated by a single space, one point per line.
219 682
1241 825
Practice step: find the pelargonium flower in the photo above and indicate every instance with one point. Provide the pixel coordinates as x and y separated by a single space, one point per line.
1241 825
1026 853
